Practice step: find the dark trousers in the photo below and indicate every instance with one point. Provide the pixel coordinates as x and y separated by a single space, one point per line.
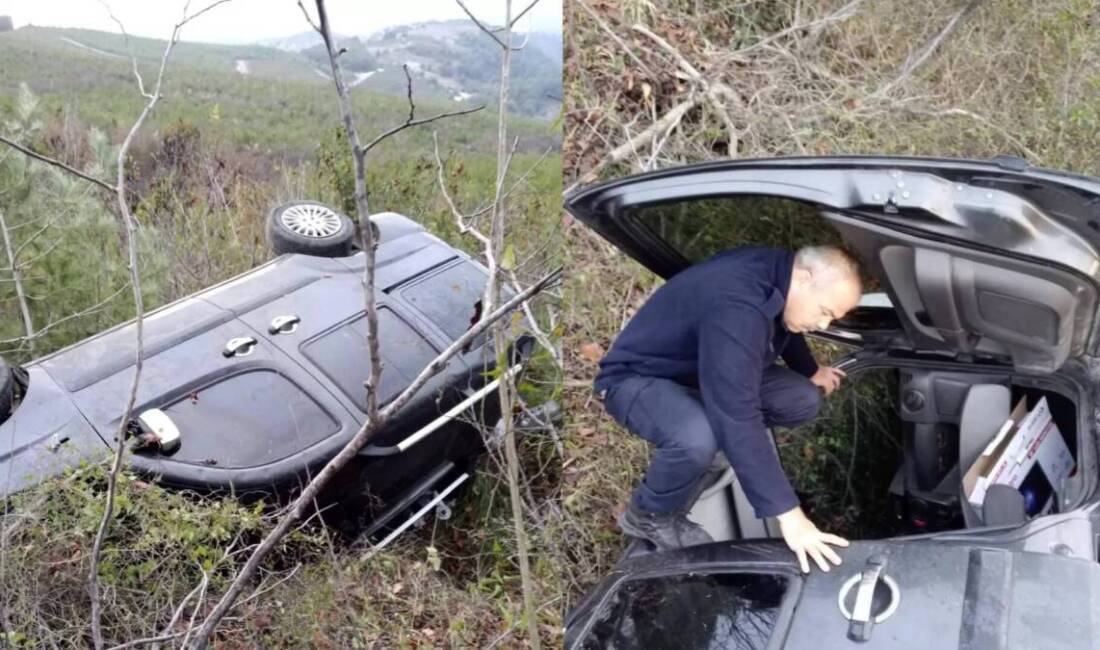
672 417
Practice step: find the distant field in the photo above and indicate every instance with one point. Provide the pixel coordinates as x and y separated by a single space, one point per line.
282 105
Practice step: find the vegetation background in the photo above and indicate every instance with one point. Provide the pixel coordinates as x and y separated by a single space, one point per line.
221 150
657 83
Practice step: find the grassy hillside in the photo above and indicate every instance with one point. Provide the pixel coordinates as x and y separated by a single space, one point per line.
284 107
222 149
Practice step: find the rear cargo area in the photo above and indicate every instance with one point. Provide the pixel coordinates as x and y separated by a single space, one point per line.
882 459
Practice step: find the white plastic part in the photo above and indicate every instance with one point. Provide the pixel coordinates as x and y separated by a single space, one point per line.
454 411
418 514
157 422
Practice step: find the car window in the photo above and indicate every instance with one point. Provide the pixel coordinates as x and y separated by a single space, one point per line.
699 228
342 354
450 298
727 611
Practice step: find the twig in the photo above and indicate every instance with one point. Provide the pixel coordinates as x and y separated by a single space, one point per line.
507 389
129 232
17 279
481 25
57 163
714 91
466 229
198 605
843 13
46 328
522 13
922 54
410 122
620 153
615 37
460 220
165 635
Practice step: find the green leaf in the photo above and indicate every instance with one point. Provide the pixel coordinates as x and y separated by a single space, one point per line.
508 259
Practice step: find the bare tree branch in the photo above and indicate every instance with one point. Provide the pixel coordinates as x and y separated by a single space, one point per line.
412 121
463 227
925 51
39 333
495 251
481 25
466 229
17 279
621 152
376 418
129 232
523 13
615 37
56 163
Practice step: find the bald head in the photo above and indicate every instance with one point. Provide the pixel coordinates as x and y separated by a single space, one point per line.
825 285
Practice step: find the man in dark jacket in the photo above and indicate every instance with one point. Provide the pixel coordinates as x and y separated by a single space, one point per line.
694 372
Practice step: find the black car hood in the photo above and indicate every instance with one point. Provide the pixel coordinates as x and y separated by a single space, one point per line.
989 258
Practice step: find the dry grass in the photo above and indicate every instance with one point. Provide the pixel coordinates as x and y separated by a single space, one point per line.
787 78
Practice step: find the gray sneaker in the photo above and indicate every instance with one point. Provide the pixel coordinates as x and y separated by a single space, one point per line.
665 530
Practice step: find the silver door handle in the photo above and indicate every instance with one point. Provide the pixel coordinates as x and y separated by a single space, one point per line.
283 324
241 346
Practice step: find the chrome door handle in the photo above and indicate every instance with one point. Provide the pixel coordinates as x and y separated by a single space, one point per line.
242 346
283 324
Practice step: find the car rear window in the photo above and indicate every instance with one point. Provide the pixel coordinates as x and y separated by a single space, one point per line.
731 611
699 228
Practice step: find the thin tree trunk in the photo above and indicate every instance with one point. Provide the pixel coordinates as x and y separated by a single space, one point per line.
17 279
496 259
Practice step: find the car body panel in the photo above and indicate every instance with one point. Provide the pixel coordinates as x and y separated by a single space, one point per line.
951 594
46 438
266 420
981 258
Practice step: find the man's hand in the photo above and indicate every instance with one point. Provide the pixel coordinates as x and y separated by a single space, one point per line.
828 378
803 537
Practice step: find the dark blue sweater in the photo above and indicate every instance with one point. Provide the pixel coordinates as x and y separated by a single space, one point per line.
716 326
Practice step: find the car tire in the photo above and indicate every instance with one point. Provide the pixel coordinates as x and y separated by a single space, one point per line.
7 390
309 228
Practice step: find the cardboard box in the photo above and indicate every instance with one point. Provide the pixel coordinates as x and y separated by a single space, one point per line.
1028 453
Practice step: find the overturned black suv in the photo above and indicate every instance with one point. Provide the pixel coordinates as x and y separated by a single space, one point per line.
989 290
251 386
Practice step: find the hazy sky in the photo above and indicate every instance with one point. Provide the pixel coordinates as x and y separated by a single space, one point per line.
242 21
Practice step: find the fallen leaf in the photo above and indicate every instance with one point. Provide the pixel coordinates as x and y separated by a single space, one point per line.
397 588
